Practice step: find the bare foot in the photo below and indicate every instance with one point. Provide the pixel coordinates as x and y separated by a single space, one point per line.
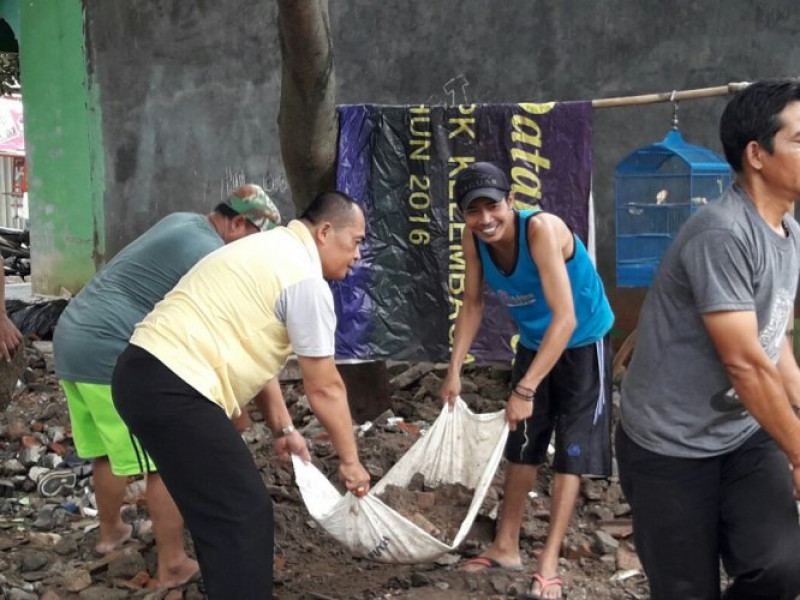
547 588
110 541
185 572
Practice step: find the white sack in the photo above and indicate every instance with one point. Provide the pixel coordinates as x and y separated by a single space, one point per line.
460 447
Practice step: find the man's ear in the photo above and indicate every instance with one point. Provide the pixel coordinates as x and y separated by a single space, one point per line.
752 155
321 232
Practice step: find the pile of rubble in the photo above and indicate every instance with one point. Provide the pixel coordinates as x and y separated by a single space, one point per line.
48 517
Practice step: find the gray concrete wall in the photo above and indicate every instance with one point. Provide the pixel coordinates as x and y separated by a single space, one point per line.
190 89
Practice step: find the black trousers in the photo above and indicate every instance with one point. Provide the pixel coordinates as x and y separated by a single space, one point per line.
689 513
209 471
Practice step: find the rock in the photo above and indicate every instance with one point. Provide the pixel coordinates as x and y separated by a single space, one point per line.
425 524
66 546
448 559
14 467
428 388
77 580
31 560
15 429
410 375
592 489
614 493
6 488
30 455
419 579
499 584
44 540
50 516
623 510
576 551
468 386
18 594
604 543
619 528
56 433
50 460
442 585
127 565
35 473
97 592
601 511
627 559
375 471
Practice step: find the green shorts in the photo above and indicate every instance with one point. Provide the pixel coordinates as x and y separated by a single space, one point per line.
98 430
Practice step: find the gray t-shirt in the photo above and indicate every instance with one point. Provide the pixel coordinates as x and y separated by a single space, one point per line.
677 398
95 327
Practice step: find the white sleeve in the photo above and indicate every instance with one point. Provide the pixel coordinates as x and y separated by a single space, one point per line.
306 309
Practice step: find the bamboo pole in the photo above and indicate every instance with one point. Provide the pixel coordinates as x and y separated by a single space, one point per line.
673 96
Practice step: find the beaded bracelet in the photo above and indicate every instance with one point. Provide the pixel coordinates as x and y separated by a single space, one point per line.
527 398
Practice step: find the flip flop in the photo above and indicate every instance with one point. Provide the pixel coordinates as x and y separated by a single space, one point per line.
486 563
544 583
196 577
56 482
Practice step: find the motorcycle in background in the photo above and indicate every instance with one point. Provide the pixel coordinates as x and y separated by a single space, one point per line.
16 251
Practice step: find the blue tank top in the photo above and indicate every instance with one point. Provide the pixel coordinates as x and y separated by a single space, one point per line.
521 292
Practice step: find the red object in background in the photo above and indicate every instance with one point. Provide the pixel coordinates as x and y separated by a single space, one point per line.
20 176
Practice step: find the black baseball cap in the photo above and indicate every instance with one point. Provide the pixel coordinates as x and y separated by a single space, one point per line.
480 180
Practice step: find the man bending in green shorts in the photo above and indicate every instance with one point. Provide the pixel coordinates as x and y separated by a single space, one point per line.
95 328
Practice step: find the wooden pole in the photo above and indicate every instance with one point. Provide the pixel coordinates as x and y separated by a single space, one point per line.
673 96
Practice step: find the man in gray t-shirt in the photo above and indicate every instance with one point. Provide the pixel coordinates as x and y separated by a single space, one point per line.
707 419
94 330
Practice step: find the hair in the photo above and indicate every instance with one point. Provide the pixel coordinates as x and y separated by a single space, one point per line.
753 114
333 206
225 210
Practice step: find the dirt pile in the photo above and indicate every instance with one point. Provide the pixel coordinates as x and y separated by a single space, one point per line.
46 541
438 510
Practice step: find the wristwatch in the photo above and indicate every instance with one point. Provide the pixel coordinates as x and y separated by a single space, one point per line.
284 431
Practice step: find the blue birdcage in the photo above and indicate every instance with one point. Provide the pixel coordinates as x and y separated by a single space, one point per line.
657 188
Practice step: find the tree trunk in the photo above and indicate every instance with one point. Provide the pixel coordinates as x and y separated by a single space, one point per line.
308 121
309 125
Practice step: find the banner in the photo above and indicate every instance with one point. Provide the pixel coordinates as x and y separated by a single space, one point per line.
400 163
12 141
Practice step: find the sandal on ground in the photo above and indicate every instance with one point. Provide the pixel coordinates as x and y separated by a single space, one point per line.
485 563
544 583
154 584
56 482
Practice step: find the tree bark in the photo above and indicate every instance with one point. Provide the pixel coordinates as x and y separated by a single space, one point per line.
309 125
308 121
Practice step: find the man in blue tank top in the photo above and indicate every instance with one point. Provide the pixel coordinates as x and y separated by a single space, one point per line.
561 380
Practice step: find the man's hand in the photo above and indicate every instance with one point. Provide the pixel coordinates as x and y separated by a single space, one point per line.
10 337
292 443
451 388
355 478
242 422
517 410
